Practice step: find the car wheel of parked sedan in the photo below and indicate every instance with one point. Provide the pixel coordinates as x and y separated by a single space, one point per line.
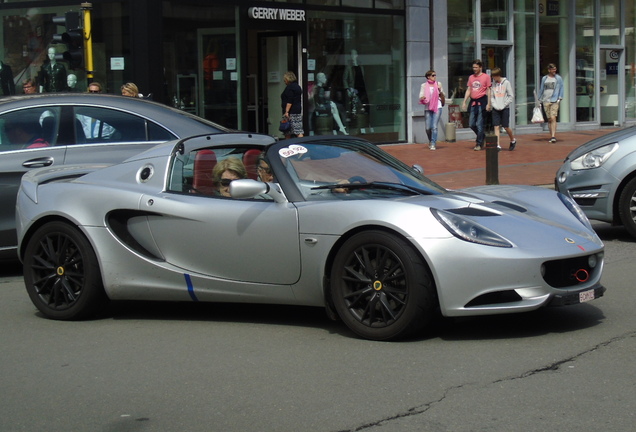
627 207
61 273
381 287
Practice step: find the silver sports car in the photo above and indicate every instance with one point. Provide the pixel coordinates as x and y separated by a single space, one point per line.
333 222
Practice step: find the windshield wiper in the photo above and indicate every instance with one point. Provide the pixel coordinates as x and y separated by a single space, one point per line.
376 185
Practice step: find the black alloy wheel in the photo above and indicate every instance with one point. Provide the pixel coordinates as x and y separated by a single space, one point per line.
61 273
381 287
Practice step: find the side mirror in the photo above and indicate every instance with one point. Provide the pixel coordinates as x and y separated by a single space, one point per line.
248 188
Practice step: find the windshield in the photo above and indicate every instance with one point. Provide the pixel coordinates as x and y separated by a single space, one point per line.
350 169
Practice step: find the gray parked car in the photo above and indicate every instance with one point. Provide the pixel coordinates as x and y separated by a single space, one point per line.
52 130
333 222
601 177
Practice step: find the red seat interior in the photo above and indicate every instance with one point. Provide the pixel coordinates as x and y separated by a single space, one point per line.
250 158
203 179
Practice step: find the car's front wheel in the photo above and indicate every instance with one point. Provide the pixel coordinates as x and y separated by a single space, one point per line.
61 273
381 287
627 207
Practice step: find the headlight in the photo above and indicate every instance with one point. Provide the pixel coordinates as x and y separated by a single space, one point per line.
575 210
466 229
595 158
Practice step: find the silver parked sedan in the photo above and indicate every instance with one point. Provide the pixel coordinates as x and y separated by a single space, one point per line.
52 130
321 221
601 177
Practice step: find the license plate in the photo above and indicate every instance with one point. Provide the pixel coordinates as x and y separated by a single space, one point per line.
586 296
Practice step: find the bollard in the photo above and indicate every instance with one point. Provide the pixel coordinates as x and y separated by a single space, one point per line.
492 160
450 132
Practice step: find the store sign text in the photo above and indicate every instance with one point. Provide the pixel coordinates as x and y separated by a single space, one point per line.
264 13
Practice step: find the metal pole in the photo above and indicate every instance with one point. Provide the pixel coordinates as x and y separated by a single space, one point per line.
492 160
88 41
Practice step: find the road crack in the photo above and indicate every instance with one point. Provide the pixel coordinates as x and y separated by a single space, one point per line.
421 409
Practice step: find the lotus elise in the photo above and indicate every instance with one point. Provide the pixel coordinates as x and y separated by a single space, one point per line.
332 222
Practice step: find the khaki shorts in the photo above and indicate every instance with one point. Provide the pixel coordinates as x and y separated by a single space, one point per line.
551 109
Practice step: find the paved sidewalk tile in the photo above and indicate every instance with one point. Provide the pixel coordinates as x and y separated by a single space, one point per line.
534 161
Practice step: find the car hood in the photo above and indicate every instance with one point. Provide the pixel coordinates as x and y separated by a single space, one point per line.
602 141
520 210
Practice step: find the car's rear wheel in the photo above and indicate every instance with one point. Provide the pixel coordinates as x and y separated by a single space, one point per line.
627 207
61 273
381 287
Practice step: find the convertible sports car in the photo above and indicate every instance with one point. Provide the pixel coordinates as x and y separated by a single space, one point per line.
321 221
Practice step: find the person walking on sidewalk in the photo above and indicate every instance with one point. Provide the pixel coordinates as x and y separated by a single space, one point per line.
478 92
550 95
432 96
502 97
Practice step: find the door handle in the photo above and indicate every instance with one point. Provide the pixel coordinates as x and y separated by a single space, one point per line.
39 162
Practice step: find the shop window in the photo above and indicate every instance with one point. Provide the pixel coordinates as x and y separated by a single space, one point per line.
585 61
201 63
610 22
356 76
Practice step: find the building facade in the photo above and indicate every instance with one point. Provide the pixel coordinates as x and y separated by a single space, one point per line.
359 62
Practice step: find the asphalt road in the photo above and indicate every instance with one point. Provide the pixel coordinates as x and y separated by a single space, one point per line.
191 367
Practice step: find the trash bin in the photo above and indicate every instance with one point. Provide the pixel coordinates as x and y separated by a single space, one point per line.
450 132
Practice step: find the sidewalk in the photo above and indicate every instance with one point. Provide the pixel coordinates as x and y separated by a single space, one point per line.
533 162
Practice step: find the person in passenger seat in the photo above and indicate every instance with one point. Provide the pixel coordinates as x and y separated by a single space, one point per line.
27 135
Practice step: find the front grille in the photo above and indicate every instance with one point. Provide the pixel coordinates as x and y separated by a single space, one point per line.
569 272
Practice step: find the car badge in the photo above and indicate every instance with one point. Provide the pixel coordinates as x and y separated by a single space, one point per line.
377 285
569 240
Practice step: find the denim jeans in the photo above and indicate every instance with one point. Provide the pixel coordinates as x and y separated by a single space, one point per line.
476 123
432 119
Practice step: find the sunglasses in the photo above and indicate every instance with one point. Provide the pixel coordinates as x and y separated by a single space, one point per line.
226 182
433 75
265 169
93 91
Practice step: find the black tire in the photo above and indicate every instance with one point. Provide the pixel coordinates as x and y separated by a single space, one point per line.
61 273
381 287
627 207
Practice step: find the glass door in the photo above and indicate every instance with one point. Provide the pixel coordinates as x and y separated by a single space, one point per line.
277 54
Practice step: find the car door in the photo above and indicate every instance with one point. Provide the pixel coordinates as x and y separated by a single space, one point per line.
28 140
105 135
239 240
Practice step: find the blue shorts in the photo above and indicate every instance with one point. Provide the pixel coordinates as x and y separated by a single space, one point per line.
501 117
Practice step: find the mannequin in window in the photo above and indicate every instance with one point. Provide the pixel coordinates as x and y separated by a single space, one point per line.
7 86
324 106
52 74
354 80
71 82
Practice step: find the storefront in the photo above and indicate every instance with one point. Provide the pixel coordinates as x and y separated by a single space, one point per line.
225 61
360 62
592 42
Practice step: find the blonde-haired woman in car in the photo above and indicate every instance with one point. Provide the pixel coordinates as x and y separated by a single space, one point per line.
226 171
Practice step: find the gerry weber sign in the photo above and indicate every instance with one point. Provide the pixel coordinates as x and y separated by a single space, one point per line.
274 14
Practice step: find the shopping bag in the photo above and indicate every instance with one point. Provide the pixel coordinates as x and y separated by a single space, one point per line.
537 115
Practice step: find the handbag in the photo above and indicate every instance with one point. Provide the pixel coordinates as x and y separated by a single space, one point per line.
442 98
537 115
285 125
